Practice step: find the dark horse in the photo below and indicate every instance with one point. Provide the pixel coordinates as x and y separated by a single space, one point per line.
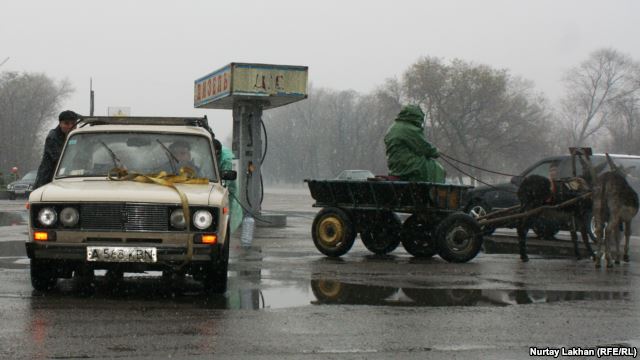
535 191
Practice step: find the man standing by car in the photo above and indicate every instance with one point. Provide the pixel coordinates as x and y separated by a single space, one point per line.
409 155
53 147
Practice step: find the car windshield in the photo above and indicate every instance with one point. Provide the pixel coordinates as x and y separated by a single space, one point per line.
94 154
631 166
30 176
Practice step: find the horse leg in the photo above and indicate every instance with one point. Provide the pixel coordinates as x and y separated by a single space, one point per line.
617 240
523 228
585 239
627 235
574 238
611 229
600 239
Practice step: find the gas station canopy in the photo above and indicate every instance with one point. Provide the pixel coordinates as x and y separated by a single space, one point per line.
269 85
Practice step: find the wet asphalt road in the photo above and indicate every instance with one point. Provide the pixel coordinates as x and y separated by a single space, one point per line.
286 300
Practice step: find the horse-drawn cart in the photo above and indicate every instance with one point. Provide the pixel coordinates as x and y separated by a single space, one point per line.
435 225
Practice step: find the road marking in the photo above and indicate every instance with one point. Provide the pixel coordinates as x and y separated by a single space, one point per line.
22 260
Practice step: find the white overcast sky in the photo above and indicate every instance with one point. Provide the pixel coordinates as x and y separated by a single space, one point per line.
146 54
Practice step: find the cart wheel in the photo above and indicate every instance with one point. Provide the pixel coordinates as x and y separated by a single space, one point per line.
382 235
459 238
333 232
417 238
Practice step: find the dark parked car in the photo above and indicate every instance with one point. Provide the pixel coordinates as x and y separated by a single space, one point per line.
484 199
22 187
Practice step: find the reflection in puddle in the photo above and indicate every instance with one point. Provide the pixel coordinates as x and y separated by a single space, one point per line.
249 291
246 291
12 218
336 292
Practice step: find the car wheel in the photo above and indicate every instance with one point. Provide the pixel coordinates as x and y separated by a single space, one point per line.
333 232
12 196
42 275
591 226
216 278
479 208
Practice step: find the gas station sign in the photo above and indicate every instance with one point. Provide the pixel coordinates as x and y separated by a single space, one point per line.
271 85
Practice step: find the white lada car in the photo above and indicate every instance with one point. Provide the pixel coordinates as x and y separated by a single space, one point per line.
129 195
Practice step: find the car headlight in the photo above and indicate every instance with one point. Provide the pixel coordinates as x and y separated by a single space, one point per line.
47 216
176 219
69 217
10 187
202 219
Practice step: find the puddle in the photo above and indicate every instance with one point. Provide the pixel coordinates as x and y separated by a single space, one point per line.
274 294
12 218
248 290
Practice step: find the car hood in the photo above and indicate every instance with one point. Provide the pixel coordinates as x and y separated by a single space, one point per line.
93 190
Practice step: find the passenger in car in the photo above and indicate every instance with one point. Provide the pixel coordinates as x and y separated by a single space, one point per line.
182 152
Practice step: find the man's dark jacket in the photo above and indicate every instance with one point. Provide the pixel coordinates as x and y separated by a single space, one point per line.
52 151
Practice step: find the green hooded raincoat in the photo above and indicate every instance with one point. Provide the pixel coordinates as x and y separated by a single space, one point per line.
235 210
409 155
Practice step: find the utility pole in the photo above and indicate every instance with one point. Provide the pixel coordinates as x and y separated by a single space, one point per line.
91 107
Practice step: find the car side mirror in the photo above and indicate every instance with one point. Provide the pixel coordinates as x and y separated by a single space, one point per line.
517 180
229 175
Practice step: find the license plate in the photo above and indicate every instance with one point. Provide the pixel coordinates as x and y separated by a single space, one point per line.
122 254
20 191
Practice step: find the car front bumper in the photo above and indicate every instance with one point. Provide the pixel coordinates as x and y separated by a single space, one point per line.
171 248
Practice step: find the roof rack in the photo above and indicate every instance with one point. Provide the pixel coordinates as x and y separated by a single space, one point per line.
202 122
143 120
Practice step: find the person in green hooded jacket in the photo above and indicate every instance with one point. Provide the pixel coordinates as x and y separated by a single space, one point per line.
225 159
409 155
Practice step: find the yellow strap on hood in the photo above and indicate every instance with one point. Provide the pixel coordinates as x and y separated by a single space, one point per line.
186 175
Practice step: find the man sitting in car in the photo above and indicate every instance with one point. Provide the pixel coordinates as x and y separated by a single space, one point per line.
182 152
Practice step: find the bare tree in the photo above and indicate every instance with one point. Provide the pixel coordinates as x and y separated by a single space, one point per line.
478 114
329 132
27 103
595 90
624 127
